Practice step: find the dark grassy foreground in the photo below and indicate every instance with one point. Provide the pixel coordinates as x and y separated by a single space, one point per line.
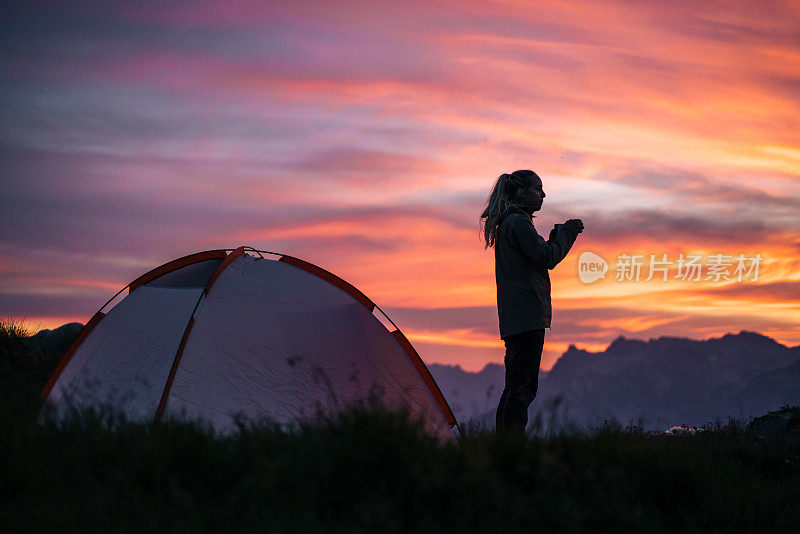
368 471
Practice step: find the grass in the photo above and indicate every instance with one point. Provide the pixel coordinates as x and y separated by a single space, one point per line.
367 471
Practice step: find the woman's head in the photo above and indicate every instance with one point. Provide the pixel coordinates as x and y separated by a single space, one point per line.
521 188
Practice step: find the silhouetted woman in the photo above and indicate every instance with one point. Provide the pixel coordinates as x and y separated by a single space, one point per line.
522 259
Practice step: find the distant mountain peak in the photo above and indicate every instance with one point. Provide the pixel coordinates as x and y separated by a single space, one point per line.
61 330
746 337
750 336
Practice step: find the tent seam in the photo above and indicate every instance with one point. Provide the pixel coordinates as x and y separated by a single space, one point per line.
162 405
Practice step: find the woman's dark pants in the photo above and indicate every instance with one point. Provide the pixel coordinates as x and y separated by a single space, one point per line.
523 356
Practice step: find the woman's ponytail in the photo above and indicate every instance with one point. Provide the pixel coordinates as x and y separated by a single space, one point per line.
504 193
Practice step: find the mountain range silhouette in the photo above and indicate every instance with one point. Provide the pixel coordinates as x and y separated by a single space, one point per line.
655 384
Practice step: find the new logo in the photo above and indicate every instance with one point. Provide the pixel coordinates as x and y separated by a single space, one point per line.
591 267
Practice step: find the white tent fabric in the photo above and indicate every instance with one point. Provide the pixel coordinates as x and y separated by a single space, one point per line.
267 340
125 360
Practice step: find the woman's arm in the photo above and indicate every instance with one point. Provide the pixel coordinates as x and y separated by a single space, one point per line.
545 253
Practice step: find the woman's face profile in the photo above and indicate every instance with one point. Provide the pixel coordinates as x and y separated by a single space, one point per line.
533 196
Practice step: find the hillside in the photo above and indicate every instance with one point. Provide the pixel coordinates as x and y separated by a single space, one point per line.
368 471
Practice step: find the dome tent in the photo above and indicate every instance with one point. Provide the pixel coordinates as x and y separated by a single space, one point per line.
220 335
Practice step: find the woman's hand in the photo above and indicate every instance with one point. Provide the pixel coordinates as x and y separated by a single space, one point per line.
575 224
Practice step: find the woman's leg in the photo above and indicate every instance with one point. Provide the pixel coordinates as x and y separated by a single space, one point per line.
501 406
523 356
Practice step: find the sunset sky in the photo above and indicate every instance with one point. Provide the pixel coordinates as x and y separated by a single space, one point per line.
364 137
